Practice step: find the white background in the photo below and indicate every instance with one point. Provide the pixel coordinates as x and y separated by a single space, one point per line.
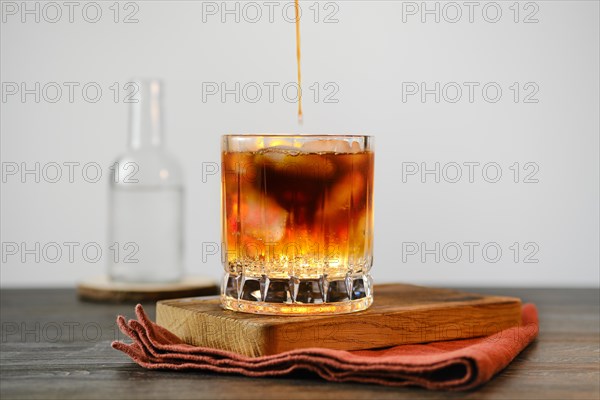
368 54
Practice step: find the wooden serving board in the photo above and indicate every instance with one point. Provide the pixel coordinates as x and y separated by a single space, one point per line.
400 314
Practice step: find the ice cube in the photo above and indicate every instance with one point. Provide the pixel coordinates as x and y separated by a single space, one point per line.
277 154
328 146
355 147
262 218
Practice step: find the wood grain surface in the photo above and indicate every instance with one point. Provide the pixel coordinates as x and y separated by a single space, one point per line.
37 361
400 314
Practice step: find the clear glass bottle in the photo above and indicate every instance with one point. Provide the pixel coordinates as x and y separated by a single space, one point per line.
146 199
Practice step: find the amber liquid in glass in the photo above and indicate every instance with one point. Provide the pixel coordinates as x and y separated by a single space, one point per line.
298 229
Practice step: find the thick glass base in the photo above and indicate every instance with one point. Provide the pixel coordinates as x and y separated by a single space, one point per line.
259 307
294 296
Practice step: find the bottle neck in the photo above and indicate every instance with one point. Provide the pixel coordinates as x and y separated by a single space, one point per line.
145 118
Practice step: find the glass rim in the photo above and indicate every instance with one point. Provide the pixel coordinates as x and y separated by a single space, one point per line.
290 135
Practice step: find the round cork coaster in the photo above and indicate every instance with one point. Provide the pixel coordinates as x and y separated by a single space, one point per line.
102 289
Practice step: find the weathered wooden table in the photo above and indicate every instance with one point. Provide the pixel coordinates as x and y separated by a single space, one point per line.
54 346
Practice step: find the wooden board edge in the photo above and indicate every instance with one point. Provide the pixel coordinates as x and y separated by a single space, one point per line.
286 333
254 342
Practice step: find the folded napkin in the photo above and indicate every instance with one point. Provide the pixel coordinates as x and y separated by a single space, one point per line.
450 365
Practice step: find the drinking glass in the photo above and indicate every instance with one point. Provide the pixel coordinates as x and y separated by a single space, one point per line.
297 219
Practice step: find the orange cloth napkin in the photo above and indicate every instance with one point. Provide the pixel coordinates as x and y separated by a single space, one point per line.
450 365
